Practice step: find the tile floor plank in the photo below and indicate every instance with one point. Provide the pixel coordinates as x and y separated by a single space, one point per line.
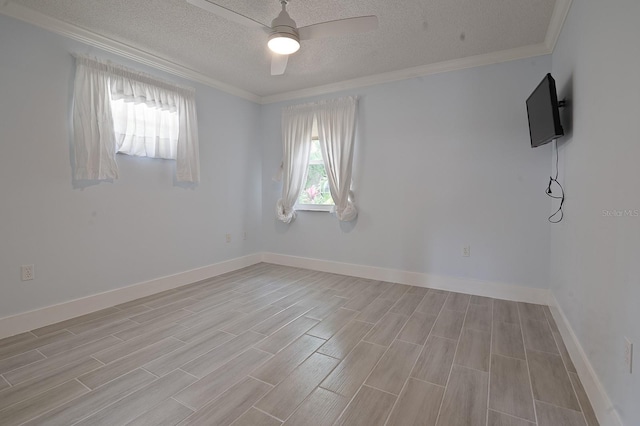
354 369
215 383
375 311
244 323
448 324
474 349
465 399
279 320
321 408
386 330
406 304
395 292
501 419
168 413
94 401
43 367
481 300
418 405
507 340
346 339
479 317
131 362
255 417
394 367
283 400
130 346
42 331
538 336
417 328
585 404
506 311
550 415
370 407
510 388
18 338
432 303
66 345
23 346
434 363
287 334
550 380
40 404
361 301
564 353
162 365
531 311
285 361
139 402
53 378
457 302
332 323
213 359
230 405
21 360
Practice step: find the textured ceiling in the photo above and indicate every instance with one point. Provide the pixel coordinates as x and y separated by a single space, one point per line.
412 33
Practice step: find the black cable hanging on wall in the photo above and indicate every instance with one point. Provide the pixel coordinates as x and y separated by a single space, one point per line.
549 192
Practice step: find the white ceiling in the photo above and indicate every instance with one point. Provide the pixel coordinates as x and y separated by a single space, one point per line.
412 33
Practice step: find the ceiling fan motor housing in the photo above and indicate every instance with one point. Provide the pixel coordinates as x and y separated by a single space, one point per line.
284 26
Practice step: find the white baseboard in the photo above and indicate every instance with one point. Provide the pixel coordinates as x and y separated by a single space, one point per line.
31 320
462 285
602 406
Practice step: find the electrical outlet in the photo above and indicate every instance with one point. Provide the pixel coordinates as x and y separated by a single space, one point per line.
28 272
228 237
466 251
628 354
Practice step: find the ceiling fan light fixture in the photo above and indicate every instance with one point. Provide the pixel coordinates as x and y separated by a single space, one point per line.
283 43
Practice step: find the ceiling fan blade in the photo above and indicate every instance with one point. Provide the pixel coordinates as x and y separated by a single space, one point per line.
228 14
278 64
340 27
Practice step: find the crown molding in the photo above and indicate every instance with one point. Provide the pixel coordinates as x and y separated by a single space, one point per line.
560 12
420 71
119 48
138 54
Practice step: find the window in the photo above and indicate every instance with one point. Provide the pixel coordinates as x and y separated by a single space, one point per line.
145 131
315 194
116 109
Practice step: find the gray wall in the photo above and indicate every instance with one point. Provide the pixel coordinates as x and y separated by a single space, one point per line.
595 273
140 227
440 161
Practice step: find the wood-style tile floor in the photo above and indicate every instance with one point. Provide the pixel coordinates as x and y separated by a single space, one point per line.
271 345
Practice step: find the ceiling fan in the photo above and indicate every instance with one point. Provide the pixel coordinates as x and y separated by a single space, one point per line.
285 36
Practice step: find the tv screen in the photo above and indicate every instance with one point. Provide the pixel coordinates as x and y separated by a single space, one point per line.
544 116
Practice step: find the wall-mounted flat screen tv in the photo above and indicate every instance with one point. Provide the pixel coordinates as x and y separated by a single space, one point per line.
544 114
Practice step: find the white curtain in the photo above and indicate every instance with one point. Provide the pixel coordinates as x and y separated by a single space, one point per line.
336 131
145 131
152 118
297 124
94 144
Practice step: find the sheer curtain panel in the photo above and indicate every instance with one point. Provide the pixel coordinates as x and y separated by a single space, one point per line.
336 132
297 123
94 142
141 115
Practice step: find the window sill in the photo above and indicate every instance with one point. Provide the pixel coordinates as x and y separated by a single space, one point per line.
314 208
